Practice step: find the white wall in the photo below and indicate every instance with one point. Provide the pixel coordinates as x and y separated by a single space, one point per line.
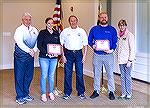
11 18
1 20
13 10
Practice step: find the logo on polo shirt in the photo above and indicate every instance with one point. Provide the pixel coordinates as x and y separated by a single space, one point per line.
79 34
68 34
107 31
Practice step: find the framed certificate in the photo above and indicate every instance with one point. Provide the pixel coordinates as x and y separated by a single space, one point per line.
54 49
102 45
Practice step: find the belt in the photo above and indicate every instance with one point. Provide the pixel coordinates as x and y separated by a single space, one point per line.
74 51
104 53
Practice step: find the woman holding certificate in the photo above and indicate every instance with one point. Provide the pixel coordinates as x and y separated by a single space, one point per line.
126 55
49 45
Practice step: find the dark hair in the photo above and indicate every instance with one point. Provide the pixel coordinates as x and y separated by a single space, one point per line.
122 22
74 17
47 19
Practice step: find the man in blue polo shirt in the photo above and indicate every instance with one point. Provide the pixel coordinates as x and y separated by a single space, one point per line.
103 38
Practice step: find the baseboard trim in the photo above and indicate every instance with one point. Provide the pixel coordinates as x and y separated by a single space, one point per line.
146 82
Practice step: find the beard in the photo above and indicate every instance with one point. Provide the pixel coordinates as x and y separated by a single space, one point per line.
103 22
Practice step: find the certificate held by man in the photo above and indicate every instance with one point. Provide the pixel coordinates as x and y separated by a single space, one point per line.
102 45
54 49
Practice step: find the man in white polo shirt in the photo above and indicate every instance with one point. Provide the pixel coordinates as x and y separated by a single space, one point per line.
73 39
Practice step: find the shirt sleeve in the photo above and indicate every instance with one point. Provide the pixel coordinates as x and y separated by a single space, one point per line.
62 37
114 39
84 39
35 47
40 40
90 38
131 47
18 37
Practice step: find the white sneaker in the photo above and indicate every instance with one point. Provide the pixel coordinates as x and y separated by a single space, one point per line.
128 96
66 96
28 98
21 101
122 97
43 98
51 96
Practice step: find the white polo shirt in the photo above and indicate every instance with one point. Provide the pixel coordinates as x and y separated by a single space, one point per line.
26 38
73 39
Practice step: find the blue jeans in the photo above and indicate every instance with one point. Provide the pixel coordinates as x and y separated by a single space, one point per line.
47 68
73 57
126 80
98 61
23 72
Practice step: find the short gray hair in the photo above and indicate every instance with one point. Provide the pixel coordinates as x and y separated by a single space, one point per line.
26 14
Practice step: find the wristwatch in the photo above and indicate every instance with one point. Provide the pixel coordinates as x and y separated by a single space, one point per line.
129 60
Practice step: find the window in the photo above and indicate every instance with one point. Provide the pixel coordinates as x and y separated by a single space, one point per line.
142 27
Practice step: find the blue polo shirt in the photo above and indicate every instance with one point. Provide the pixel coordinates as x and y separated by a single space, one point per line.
103 33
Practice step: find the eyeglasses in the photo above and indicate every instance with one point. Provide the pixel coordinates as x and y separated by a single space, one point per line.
50 23
121 25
